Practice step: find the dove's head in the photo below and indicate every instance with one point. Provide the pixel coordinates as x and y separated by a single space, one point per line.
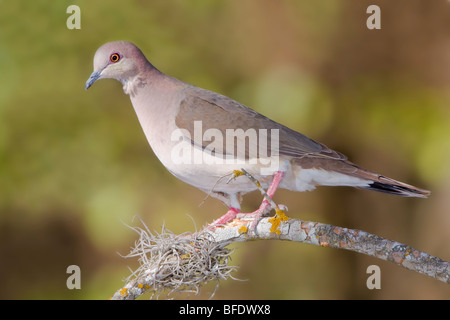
120 60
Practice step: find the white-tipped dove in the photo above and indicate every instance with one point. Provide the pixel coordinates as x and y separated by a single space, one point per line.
203 137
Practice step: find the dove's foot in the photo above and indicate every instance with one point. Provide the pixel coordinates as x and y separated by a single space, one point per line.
264 209
256 216
223 220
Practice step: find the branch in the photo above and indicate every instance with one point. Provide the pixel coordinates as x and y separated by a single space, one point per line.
183 263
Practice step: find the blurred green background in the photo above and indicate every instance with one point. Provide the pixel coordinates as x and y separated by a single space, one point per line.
75 166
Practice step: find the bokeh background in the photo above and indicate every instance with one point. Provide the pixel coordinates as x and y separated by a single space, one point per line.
75 167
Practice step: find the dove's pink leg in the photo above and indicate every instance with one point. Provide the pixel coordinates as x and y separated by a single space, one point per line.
227 217
264 208
278 176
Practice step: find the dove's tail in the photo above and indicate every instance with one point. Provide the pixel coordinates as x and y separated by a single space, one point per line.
388 185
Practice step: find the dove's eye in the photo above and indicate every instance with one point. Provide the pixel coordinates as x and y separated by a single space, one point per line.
115 57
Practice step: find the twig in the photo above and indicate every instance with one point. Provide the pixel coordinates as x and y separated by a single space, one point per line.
209 257
327 235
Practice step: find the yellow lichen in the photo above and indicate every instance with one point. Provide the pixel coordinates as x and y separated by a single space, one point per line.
408 252
324 244
242 229
140 285
123 292
238 173
276 220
